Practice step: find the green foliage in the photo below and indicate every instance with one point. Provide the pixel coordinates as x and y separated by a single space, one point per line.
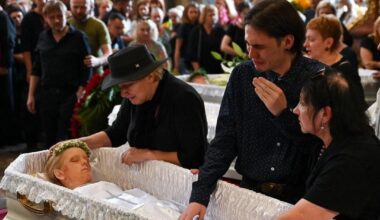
97 106
228 65
216 55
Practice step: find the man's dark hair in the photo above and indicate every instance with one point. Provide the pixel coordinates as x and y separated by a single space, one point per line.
242 6
334 90
278 18
117 1
13 8
115 16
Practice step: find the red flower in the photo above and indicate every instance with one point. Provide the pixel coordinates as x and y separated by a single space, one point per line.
94 83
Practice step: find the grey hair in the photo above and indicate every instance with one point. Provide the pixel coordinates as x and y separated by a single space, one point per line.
159 72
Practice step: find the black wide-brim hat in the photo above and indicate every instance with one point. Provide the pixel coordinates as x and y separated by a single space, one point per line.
130 64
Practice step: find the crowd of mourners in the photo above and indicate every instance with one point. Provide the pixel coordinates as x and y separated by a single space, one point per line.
38 82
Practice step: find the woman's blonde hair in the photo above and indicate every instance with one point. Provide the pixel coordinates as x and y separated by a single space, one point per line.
153 30
205 11
324 4
54 160
159 72
376 30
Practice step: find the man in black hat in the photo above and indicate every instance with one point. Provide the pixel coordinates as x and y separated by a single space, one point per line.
161 117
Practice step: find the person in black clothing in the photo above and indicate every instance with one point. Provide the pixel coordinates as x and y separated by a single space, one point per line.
120 7
327 8
369 54
115 28
310 12
235 32
323 36
31 27
206 37
182 63
7 43
59 71
345 182
18 76
346 41
161 117
255 123
19 85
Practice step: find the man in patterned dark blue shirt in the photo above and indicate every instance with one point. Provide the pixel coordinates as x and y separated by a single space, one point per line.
255 122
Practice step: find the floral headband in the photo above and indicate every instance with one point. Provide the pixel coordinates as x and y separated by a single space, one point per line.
62 146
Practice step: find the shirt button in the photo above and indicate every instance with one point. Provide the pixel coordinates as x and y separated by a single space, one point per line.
278 144
272 168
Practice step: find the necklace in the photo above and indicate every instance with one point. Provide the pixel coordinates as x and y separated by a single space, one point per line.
323 149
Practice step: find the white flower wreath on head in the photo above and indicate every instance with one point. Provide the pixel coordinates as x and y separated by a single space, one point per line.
62 146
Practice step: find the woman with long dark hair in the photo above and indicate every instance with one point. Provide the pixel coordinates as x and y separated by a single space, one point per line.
345 181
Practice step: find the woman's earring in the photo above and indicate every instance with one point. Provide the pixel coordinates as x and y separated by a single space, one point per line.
322 127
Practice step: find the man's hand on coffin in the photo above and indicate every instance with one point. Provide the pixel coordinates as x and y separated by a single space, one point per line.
272 95
136 155
194 211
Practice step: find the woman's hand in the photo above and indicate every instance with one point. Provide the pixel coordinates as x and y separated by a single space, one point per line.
136 155
193 211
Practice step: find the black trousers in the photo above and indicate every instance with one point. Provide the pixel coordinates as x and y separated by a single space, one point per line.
56 109
5 110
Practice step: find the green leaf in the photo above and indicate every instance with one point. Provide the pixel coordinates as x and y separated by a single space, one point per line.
239 52
89 99
216 55
230 63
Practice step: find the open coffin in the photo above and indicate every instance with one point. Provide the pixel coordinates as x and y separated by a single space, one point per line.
162 180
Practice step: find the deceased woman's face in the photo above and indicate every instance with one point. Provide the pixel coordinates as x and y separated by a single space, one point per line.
75 169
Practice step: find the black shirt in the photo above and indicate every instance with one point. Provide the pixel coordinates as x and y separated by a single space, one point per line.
60 64
237 36
368 42
173 121
349 54
346 179
31 27
202 44
183 33
7 40
351 73
268 148
117 43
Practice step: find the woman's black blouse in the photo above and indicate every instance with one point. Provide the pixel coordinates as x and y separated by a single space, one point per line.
173 121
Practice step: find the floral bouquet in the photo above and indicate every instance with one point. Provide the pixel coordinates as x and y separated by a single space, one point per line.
91 111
